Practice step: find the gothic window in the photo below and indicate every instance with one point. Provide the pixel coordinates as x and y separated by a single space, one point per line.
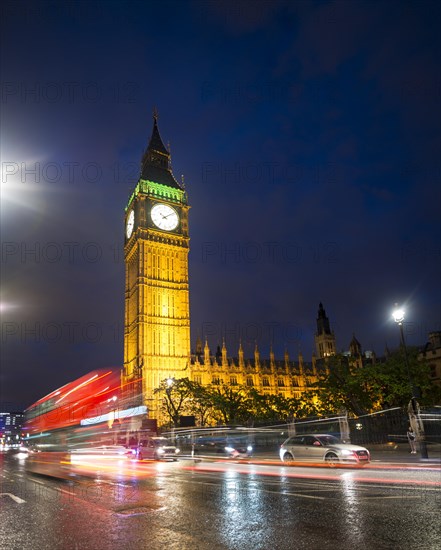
233 381
250 381
280 382
215 380
265 381
156 266
198 379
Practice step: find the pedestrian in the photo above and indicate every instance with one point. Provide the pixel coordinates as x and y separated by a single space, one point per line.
411 439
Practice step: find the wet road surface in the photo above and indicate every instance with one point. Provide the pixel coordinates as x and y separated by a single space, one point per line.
220 505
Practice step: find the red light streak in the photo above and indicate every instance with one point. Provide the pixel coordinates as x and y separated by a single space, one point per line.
262 472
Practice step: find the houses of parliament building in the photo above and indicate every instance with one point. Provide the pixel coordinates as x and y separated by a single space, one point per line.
157 310
289 378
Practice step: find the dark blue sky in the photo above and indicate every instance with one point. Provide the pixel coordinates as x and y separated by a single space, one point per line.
309 137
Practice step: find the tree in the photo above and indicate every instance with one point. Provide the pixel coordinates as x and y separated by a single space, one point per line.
201 403
230 406
272 407
398 376
375 386
342 388
176 393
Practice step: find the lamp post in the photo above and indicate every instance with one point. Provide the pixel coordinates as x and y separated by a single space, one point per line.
413 409
170 382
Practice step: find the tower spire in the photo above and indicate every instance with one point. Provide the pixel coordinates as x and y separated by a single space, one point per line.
323 326
324 337
156 160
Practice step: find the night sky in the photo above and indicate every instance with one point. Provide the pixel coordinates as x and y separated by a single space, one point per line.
308 134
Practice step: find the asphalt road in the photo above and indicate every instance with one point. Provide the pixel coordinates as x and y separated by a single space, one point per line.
222 505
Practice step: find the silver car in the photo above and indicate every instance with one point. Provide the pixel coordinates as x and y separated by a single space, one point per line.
321 447
155 448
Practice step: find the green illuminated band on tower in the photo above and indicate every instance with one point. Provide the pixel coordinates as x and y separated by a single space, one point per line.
158 191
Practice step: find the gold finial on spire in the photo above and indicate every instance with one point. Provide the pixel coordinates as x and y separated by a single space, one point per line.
155 113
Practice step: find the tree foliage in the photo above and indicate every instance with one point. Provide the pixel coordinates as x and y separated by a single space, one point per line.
380 385
176 393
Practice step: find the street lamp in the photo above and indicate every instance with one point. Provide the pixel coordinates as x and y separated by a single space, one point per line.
398 314
168 389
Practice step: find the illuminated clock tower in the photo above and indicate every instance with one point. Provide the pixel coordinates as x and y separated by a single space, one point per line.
157 312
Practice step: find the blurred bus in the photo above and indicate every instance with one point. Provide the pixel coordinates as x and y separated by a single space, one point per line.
86 417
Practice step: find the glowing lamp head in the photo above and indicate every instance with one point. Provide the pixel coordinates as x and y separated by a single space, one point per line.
398 315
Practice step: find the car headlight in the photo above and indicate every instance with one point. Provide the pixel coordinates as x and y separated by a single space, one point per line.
346 452
249 448
161 451
229 449
177 451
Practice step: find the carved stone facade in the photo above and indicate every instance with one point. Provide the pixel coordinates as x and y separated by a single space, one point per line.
285 377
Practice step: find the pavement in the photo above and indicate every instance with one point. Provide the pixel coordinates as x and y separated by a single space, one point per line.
400 453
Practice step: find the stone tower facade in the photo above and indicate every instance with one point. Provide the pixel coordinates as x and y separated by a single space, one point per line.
157 312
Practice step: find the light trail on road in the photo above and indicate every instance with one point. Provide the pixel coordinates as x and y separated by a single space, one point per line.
336 475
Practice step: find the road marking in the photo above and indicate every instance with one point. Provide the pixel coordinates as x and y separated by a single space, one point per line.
36 481
253 490
297 495
383 497
14 497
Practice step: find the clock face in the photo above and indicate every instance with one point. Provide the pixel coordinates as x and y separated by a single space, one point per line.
130 224
165 217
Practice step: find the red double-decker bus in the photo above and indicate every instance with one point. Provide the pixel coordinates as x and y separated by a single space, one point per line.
87 415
